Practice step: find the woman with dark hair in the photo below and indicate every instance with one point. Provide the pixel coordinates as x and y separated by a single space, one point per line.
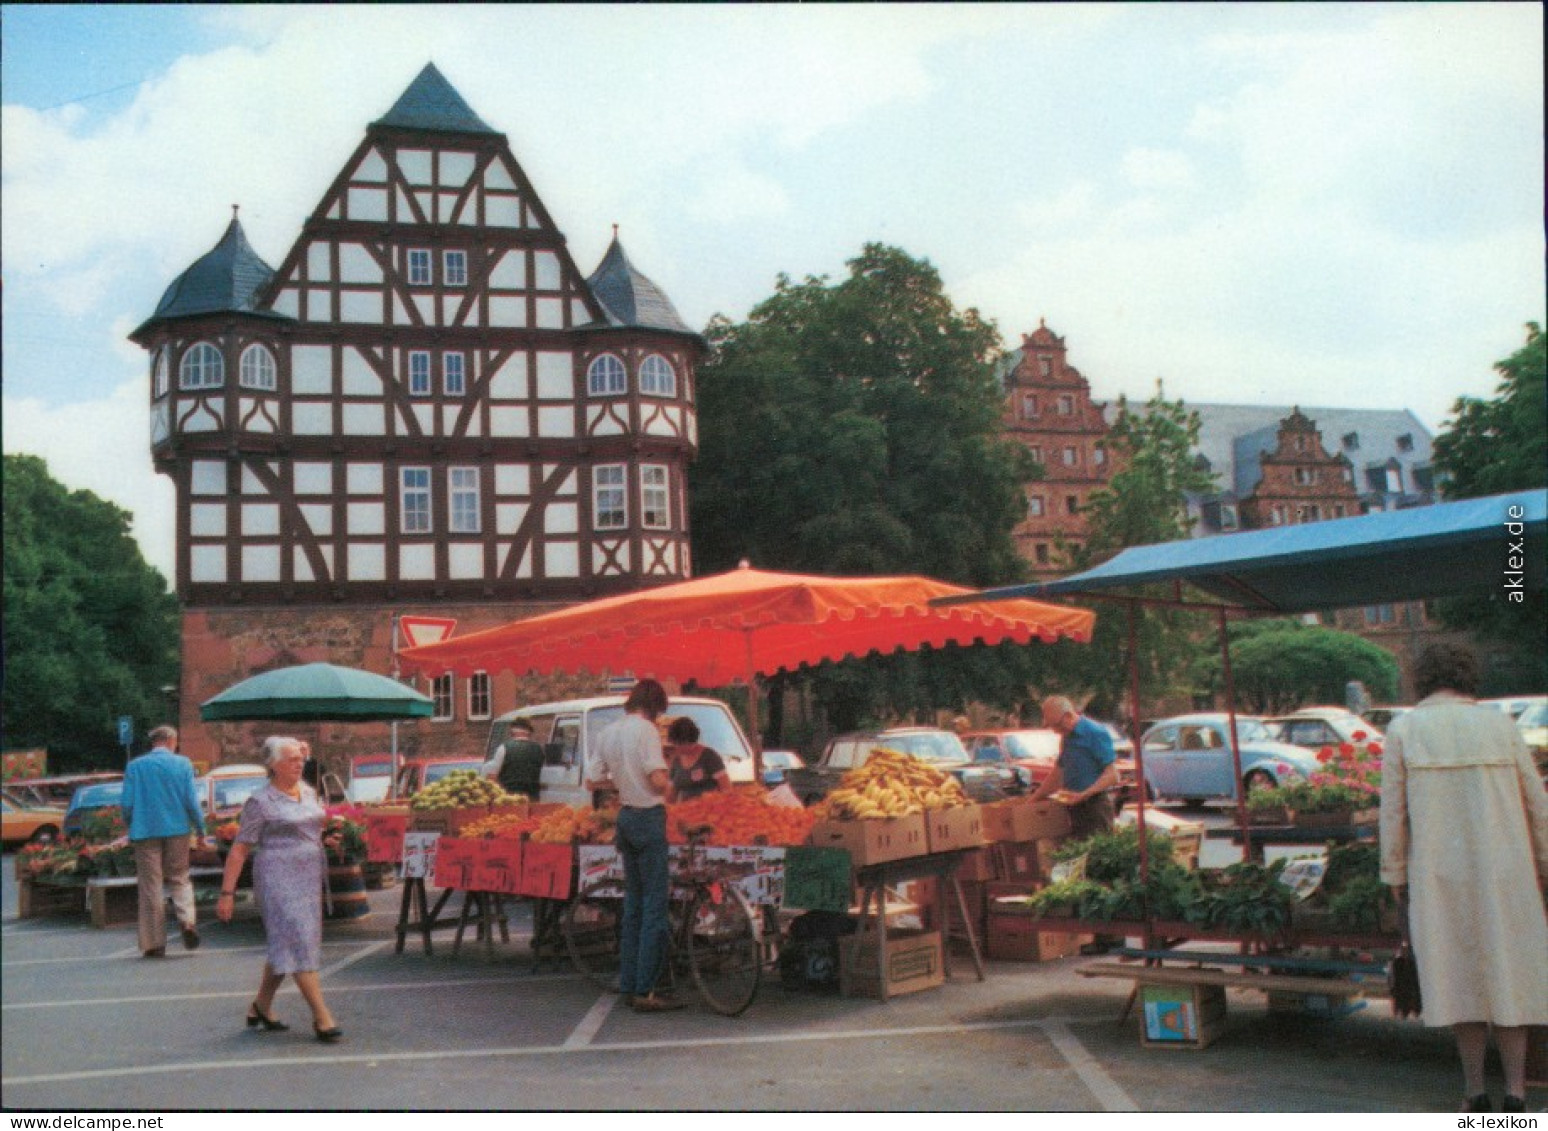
1464 844
628 758
696 769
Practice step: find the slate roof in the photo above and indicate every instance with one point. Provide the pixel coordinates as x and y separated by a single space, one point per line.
432 103
1231 436
226 279
631 299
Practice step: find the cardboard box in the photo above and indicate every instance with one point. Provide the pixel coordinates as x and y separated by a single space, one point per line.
873 842
447 822
1026 862
1008 897
959 827
1013 938
1181 1017
497 867
1022 820
547 870
914 961
384 836
455 859
979 865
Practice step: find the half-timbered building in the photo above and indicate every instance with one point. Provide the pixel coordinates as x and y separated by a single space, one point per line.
426 407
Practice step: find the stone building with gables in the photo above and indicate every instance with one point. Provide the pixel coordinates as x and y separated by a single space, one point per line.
427 407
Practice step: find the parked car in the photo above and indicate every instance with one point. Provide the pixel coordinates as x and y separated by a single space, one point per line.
1189 758
90 801
24 822
1032 751
370 778
1315 729
1533 725
567 730
1514 705
776 763
56 790
942 749
1382 717
416 773
225 789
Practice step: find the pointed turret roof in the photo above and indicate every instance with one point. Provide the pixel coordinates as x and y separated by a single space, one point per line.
226 279
432 103
629 297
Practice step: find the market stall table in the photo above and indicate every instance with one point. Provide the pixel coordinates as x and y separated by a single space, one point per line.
873 880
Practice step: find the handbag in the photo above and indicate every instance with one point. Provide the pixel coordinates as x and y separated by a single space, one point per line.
1403 982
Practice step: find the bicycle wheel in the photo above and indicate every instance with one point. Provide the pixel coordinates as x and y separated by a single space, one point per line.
591 929
725 951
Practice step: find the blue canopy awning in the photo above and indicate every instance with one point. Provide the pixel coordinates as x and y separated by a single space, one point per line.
1495 544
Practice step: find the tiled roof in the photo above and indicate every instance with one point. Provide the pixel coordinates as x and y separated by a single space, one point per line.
631 299
225 279
432 103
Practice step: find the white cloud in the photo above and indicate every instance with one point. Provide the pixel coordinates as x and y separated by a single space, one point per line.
731 192
1148 168
102 446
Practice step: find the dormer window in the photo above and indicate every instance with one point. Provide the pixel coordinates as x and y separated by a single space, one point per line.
1066 405
1045 367
202 367
257 371
1405 442
1351 441
419 267
657 377
605 377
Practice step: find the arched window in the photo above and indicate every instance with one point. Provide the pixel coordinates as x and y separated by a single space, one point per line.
202 367
258 369
605 377
159 374
657 377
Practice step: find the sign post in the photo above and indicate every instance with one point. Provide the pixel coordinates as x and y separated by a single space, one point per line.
126 736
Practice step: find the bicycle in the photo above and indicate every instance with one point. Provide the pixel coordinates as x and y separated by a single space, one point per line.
715 934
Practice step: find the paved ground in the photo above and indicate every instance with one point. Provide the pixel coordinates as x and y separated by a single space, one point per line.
89 1025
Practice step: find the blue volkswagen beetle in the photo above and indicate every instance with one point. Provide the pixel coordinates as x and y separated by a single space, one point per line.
1188 758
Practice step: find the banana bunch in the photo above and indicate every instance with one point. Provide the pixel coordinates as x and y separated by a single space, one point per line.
891 784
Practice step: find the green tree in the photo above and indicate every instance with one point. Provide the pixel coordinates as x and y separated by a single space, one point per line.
91 631
1488 448
1278 666
853 428
1154 469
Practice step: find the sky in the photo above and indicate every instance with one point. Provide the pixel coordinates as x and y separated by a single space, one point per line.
1336 204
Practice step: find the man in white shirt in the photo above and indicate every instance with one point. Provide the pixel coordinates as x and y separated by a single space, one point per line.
628 758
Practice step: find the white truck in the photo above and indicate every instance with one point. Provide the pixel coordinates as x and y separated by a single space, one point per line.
568 729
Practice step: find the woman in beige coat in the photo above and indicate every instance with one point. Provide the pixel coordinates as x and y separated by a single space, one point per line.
1464 842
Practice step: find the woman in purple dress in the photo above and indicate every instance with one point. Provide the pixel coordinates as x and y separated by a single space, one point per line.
282 827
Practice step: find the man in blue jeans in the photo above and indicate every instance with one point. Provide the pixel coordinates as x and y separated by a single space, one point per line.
628 758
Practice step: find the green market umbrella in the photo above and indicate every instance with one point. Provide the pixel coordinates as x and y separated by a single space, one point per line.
324 693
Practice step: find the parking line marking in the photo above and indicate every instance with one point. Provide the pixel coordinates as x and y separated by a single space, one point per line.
1091 1073
349 960
92 1003
581 1036
379 1057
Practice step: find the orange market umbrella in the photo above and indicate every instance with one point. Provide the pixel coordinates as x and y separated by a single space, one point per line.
732 627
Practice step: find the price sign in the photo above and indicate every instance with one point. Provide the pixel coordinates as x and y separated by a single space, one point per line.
817 879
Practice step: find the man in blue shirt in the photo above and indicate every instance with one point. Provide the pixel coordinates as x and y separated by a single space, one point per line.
161 807
1086 770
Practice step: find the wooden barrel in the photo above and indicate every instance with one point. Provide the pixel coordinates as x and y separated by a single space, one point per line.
347 892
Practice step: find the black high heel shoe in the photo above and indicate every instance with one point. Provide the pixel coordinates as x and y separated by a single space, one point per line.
256 1017
327 1036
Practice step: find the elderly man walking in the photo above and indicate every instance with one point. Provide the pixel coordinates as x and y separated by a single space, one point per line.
161 808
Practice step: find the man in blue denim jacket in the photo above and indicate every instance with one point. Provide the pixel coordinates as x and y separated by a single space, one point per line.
161 807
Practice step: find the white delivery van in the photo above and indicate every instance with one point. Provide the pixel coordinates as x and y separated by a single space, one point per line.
568 729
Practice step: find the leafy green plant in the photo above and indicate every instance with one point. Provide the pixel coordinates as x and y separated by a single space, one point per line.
1246 898
1350 861
1066 895
1359 905
1114 855
1323 797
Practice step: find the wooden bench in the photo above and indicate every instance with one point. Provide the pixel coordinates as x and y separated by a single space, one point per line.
115 900
1285 979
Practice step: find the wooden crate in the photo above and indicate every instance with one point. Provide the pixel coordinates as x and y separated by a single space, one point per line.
1180 1016
1012 938
34 899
